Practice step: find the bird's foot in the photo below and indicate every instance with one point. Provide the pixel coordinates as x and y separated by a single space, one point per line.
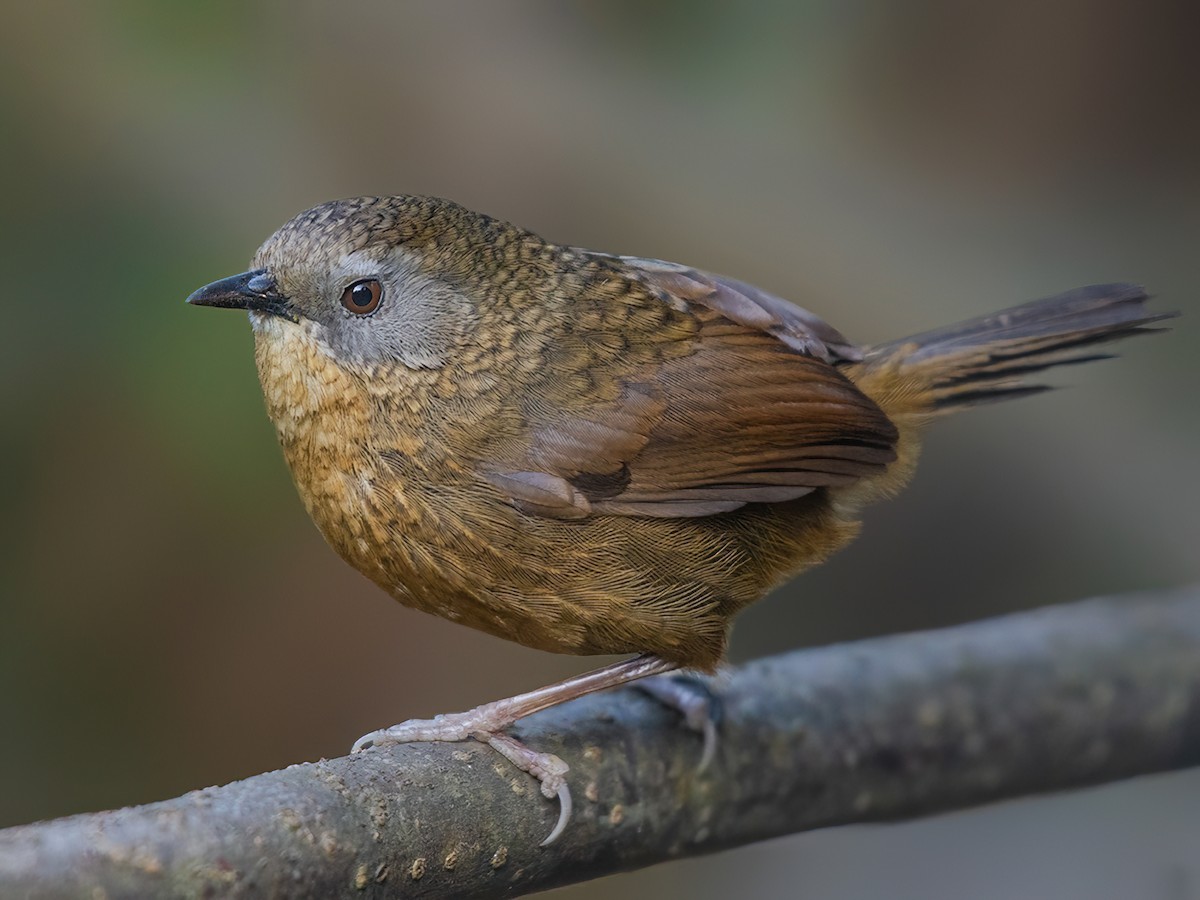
548 769
485 724
699 704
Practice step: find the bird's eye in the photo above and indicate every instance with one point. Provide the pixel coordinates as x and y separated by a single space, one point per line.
363 297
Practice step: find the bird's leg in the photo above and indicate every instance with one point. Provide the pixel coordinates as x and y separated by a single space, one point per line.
699 704
486 724
500 714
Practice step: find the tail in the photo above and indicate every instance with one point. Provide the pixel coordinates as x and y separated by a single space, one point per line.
987 359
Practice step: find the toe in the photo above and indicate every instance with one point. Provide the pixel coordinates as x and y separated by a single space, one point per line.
700 707
547 768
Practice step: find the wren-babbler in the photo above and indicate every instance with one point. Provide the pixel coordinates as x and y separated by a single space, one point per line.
588 453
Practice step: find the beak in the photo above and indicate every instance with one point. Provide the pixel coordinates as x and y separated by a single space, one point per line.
254 290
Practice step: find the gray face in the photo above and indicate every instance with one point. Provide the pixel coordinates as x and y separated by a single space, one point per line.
418 323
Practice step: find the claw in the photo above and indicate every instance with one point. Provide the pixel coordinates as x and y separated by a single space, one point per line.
547 768
700 707
564 814
710 745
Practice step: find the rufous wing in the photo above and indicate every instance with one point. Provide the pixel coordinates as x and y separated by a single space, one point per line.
754 411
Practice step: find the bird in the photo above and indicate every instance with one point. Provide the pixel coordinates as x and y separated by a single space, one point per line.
589 453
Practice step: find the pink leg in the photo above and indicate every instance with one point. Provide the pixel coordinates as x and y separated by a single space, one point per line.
485 723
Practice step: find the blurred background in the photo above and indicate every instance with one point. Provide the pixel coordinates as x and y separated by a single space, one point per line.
169 618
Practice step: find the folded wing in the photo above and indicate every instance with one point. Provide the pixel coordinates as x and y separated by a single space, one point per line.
752 410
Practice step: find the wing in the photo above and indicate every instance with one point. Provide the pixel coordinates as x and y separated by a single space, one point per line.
737 401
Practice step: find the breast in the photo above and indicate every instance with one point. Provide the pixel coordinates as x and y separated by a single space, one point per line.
322 417
379 493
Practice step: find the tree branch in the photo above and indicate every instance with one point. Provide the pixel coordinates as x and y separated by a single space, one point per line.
881 729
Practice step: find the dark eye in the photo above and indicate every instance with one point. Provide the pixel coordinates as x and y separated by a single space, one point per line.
363 297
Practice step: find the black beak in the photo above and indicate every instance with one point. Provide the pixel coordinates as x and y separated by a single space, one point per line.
251 290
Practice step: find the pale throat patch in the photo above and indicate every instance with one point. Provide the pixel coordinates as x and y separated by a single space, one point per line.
298 371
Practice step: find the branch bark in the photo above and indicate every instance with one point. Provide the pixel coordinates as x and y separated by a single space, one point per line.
882 729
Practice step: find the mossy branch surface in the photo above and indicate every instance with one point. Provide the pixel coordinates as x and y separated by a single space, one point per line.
888 728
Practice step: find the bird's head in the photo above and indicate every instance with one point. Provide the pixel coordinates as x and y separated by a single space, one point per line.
370 280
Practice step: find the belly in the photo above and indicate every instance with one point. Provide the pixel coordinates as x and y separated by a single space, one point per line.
603 585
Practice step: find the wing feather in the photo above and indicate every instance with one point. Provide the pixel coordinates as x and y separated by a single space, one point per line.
753 410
